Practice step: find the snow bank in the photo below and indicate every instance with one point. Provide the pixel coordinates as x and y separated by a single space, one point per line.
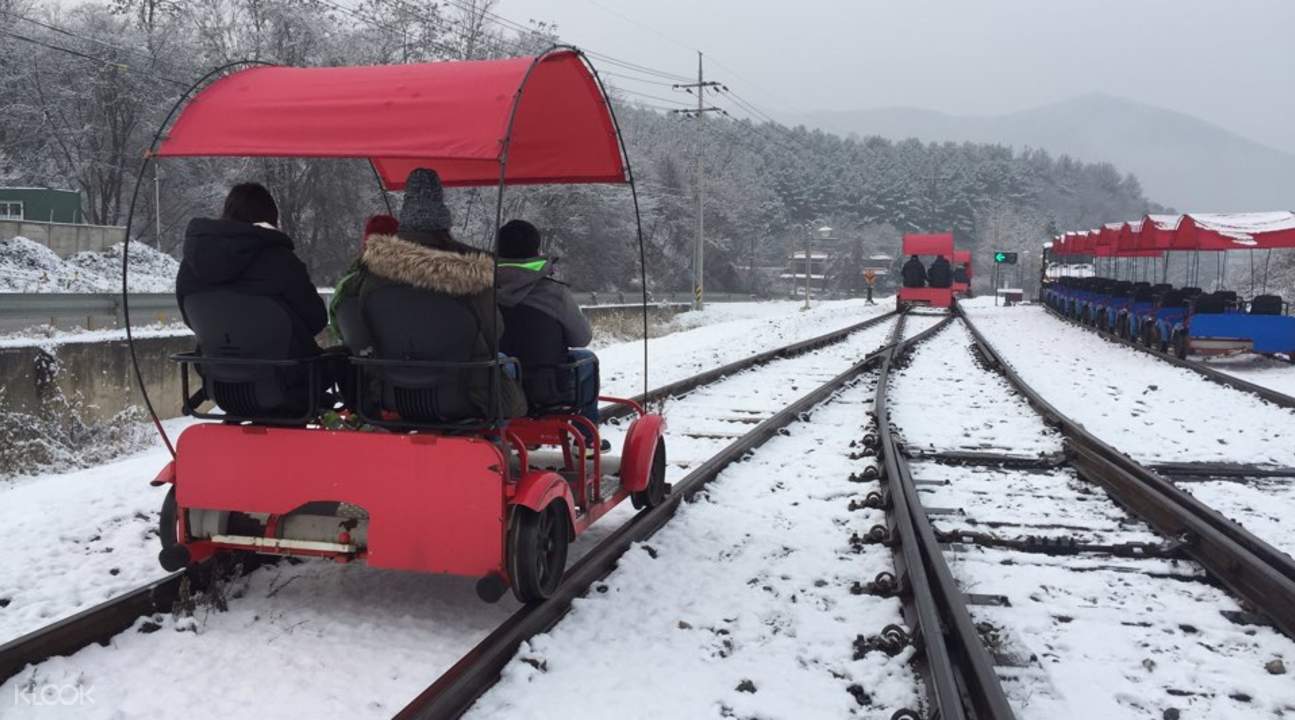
27 266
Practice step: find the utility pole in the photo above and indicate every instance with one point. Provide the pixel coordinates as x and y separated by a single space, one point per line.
699 253
157 207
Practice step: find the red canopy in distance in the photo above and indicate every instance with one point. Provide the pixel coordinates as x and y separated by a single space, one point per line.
448 116
938 244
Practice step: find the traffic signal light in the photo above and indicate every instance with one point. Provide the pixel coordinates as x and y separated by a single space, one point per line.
1005 258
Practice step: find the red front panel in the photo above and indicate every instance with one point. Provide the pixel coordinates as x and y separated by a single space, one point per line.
435 504
935 297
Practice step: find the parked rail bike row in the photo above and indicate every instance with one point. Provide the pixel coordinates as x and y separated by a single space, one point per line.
444 480
1185 320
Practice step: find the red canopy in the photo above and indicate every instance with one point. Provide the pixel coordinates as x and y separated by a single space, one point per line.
449 116
939 244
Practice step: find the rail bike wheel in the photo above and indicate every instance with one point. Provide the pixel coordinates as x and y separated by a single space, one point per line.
657 489
537 551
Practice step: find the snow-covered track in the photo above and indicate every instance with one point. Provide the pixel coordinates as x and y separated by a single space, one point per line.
960 677
689 384
1253 569
454 692
1271 395
101 622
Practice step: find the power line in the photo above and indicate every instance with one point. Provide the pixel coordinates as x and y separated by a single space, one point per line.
87 56
677 103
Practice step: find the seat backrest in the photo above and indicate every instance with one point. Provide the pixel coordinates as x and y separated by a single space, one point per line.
407 323
1211 304
1191 291
237 325
1229 297
1266 305
537 341
1145 293
1173 299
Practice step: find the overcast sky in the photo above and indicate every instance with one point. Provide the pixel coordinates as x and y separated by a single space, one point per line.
1231 62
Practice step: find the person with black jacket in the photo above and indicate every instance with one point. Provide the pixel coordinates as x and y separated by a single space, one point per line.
424 255
941 273
544 325
914 273
243 251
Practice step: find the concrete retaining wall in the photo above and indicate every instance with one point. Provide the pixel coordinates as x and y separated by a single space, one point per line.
97 377
65 239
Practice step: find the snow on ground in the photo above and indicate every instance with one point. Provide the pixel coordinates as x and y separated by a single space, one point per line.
1264 506
29 267
1101 637
1137 403
740 607
1258 369
1081 636
76 539
741 329
326 628
46 336
949 403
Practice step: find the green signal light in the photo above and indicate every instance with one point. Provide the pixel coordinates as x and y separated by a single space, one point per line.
999 257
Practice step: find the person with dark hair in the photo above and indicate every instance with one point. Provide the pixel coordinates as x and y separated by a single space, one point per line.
544 327
960 274
244 251
423 257
941 273
914 273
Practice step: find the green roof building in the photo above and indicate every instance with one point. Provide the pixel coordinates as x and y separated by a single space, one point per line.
41 205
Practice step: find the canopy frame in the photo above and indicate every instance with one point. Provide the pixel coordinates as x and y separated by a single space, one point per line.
505 145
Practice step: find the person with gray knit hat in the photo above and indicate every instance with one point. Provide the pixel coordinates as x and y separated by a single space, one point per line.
423 255
424 209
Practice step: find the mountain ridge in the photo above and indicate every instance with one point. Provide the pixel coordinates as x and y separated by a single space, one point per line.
1180 159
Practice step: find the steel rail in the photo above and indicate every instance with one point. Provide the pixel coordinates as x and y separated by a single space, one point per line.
961 681
689 384
1260 574
1273 396
111 617
454 692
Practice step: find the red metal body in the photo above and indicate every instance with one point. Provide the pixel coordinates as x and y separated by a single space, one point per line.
932 297
435 503
928 246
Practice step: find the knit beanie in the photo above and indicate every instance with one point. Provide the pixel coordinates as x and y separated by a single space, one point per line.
518 239
424 209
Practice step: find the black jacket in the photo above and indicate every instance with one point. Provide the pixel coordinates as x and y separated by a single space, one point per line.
914 273
941 274
228 255
452 270
960 275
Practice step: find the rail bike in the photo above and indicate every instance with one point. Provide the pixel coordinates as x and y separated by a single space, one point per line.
427 487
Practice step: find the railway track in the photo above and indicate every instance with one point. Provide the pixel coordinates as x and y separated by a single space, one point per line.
1073 590
1273 396
1258 572
100 623
455 691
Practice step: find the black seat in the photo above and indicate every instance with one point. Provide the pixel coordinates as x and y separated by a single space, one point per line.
422 366
237 328
1143 292
1172 299
1191 292
536 339
1211 303
1266 305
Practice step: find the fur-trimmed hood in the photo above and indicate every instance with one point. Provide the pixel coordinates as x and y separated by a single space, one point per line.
443 271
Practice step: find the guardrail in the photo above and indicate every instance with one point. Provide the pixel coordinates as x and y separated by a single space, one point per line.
95 311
